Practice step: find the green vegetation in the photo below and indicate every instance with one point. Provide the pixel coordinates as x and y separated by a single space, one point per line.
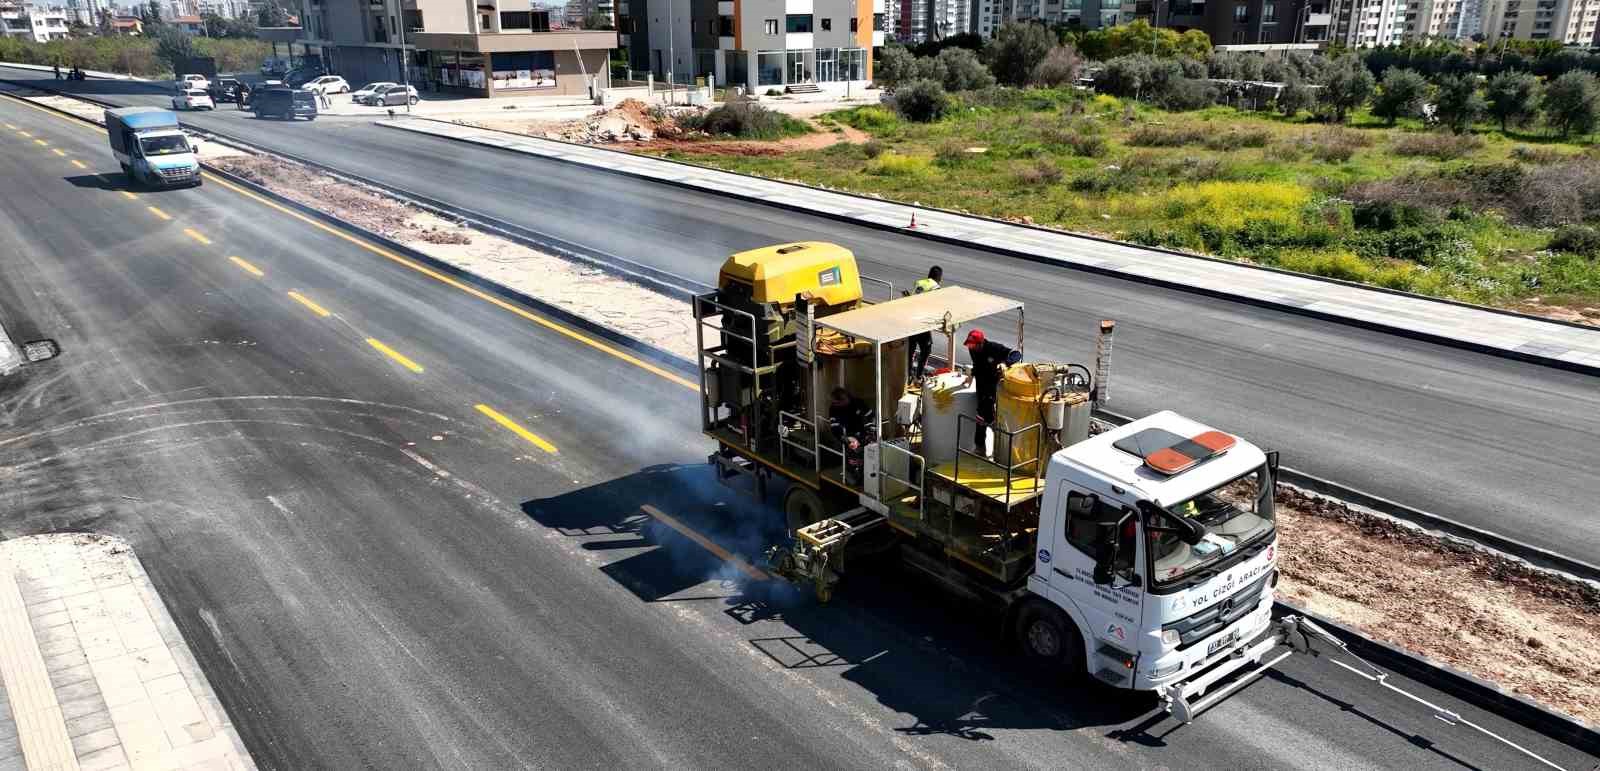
745 120
136 55
1481 216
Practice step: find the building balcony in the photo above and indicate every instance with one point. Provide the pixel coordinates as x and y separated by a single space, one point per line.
1319 19
491 42
725 7
799 40
725 43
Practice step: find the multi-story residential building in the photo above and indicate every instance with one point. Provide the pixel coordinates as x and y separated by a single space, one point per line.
85 12
579 12
756 44
1571 22
33 22
1368 23
490 48
1240 22
1450 19
919 21
989 15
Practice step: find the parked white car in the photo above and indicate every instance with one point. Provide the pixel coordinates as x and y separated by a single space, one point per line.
194 81
365 93
328 84
192 99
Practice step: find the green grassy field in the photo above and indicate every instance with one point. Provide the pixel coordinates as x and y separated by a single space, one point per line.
1469 218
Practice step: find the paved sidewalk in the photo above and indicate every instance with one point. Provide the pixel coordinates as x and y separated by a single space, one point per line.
93 673
10 356
1524 336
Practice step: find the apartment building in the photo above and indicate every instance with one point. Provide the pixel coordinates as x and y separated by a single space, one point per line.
1368 23
490 48
1447 19
757 44
1240 22
85 12
1571 22
37 23
989 15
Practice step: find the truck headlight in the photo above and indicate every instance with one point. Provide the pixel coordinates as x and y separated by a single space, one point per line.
1163 671
1170 638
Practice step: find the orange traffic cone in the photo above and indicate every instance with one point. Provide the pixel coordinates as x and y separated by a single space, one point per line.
913 225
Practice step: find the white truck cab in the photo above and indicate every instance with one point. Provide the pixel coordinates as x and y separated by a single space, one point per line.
1157 542
151 147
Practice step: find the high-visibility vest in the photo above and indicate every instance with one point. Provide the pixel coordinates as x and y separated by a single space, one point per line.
926 285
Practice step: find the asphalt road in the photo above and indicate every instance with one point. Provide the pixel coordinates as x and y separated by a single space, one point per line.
373 573
1494 443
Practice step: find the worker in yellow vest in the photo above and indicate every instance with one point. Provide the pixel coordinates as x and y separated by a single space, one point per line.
921 345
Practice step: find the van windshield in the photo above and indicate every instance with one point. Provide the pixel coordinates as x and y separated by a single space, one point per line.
167 145
1234 514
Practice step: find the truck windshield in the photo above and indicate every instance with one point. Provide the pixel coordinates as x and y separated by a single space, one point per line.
1234 514
167 145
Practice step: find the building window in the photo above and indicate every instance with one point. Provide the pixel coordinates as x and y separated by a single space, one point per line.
855 24
798 22
827 24
516 20
771 28
1269 13
725 26
1241 14
735 65
877 22
769 67
413 20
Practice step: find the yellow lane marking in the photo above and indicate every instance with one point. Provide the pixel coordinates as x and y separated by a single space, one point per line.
78 163
13 128
511 425
57 151
159 213
24 133
485 296
561 329
195 234
251 269
706 543
315 308
128 195
394 354
41 143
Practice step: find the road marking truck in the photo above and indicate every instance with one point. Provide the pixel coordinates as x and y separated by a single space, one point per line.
1144 556
151 147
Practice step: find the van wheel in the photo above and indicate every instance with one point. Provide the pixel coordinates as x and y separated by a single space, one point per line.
1049 637
802 506
413 100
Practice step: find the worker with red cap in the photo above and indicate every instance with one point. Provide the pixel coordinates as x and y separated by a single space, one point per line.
989 360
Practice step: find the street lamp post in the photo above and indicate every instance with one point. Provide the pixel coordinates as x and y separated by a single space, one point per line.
405 68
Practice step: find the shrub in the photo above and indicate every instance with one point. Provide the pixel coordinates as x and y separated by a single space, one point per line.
1538 156
1016 49
1297 95
1458 105
922 101
1168 136
950 153
896 165
963 71
1040 173
872 148
1388 215
895 65
1125 75
1060 67
872 119
1440 244
1440 147
747 120
1334 145
1086 144
1236 139
929 68
1401 95
1183 94
1576 239
1513 99
1572 103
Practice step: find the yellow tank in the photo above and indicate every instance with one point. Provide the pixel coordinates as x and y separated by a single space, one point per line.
775 274
1024 400
842 362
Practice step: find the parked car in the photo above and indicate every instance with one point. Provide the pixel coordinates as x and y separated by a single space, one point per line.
365 94
192 99
299 77
271 66
284 103
328 84
224 89
194 81
395 95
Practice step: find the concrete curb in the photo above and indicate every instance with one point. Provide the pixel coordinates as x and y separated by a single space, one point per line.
1430 337
1516 708
10 356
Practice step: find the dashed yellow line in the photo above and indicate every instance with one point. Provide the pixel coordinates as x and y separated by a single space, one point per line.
78 163
13 128
394 354
58 151
128 195
159 213
192 233
41 143
24 133
306 301
511 425
705 543
248 268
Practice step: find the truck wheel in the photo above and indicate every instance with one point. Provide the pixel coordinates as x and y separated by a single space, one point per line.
802 506
1049 637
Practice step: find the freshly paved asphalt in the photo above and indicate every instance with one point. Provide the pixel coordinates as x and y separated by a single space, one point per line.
373 574
1493 443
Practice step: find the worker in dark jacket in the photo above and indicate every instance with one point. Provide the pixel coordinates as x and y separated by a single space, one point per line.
850 418
989 360
921 345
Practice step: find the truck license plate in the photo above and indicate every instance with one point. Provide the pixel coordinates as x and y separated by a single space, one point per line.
1222 642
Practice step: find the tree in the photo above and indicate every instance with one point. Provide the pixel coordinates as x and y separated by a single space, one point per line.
272 14
963 70
1125 75
150 16
1514 99
77 29
1059 68
1296 95
1458 103
895 65
1346 85
1572 104
1017 48
105 27
598 21
1234 65
923 101
1401 95
174 46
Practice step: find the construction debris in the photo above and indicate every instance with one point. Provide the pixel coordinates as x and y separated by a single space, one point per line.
630 121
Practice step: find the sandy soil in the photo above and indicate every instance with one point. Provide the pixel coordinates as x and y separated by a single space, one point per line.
1492 617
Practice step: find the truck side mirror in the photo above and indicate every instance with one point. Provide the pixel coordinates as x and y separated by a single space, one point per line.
1272 462
1109 548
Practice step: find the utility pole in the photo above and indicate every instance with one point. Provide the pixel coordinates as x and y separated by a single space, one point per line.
405 69
672 51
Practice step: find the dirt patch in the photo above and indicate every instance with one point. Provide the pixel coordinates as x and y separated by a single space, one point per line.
361 207
643 128
1531 632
